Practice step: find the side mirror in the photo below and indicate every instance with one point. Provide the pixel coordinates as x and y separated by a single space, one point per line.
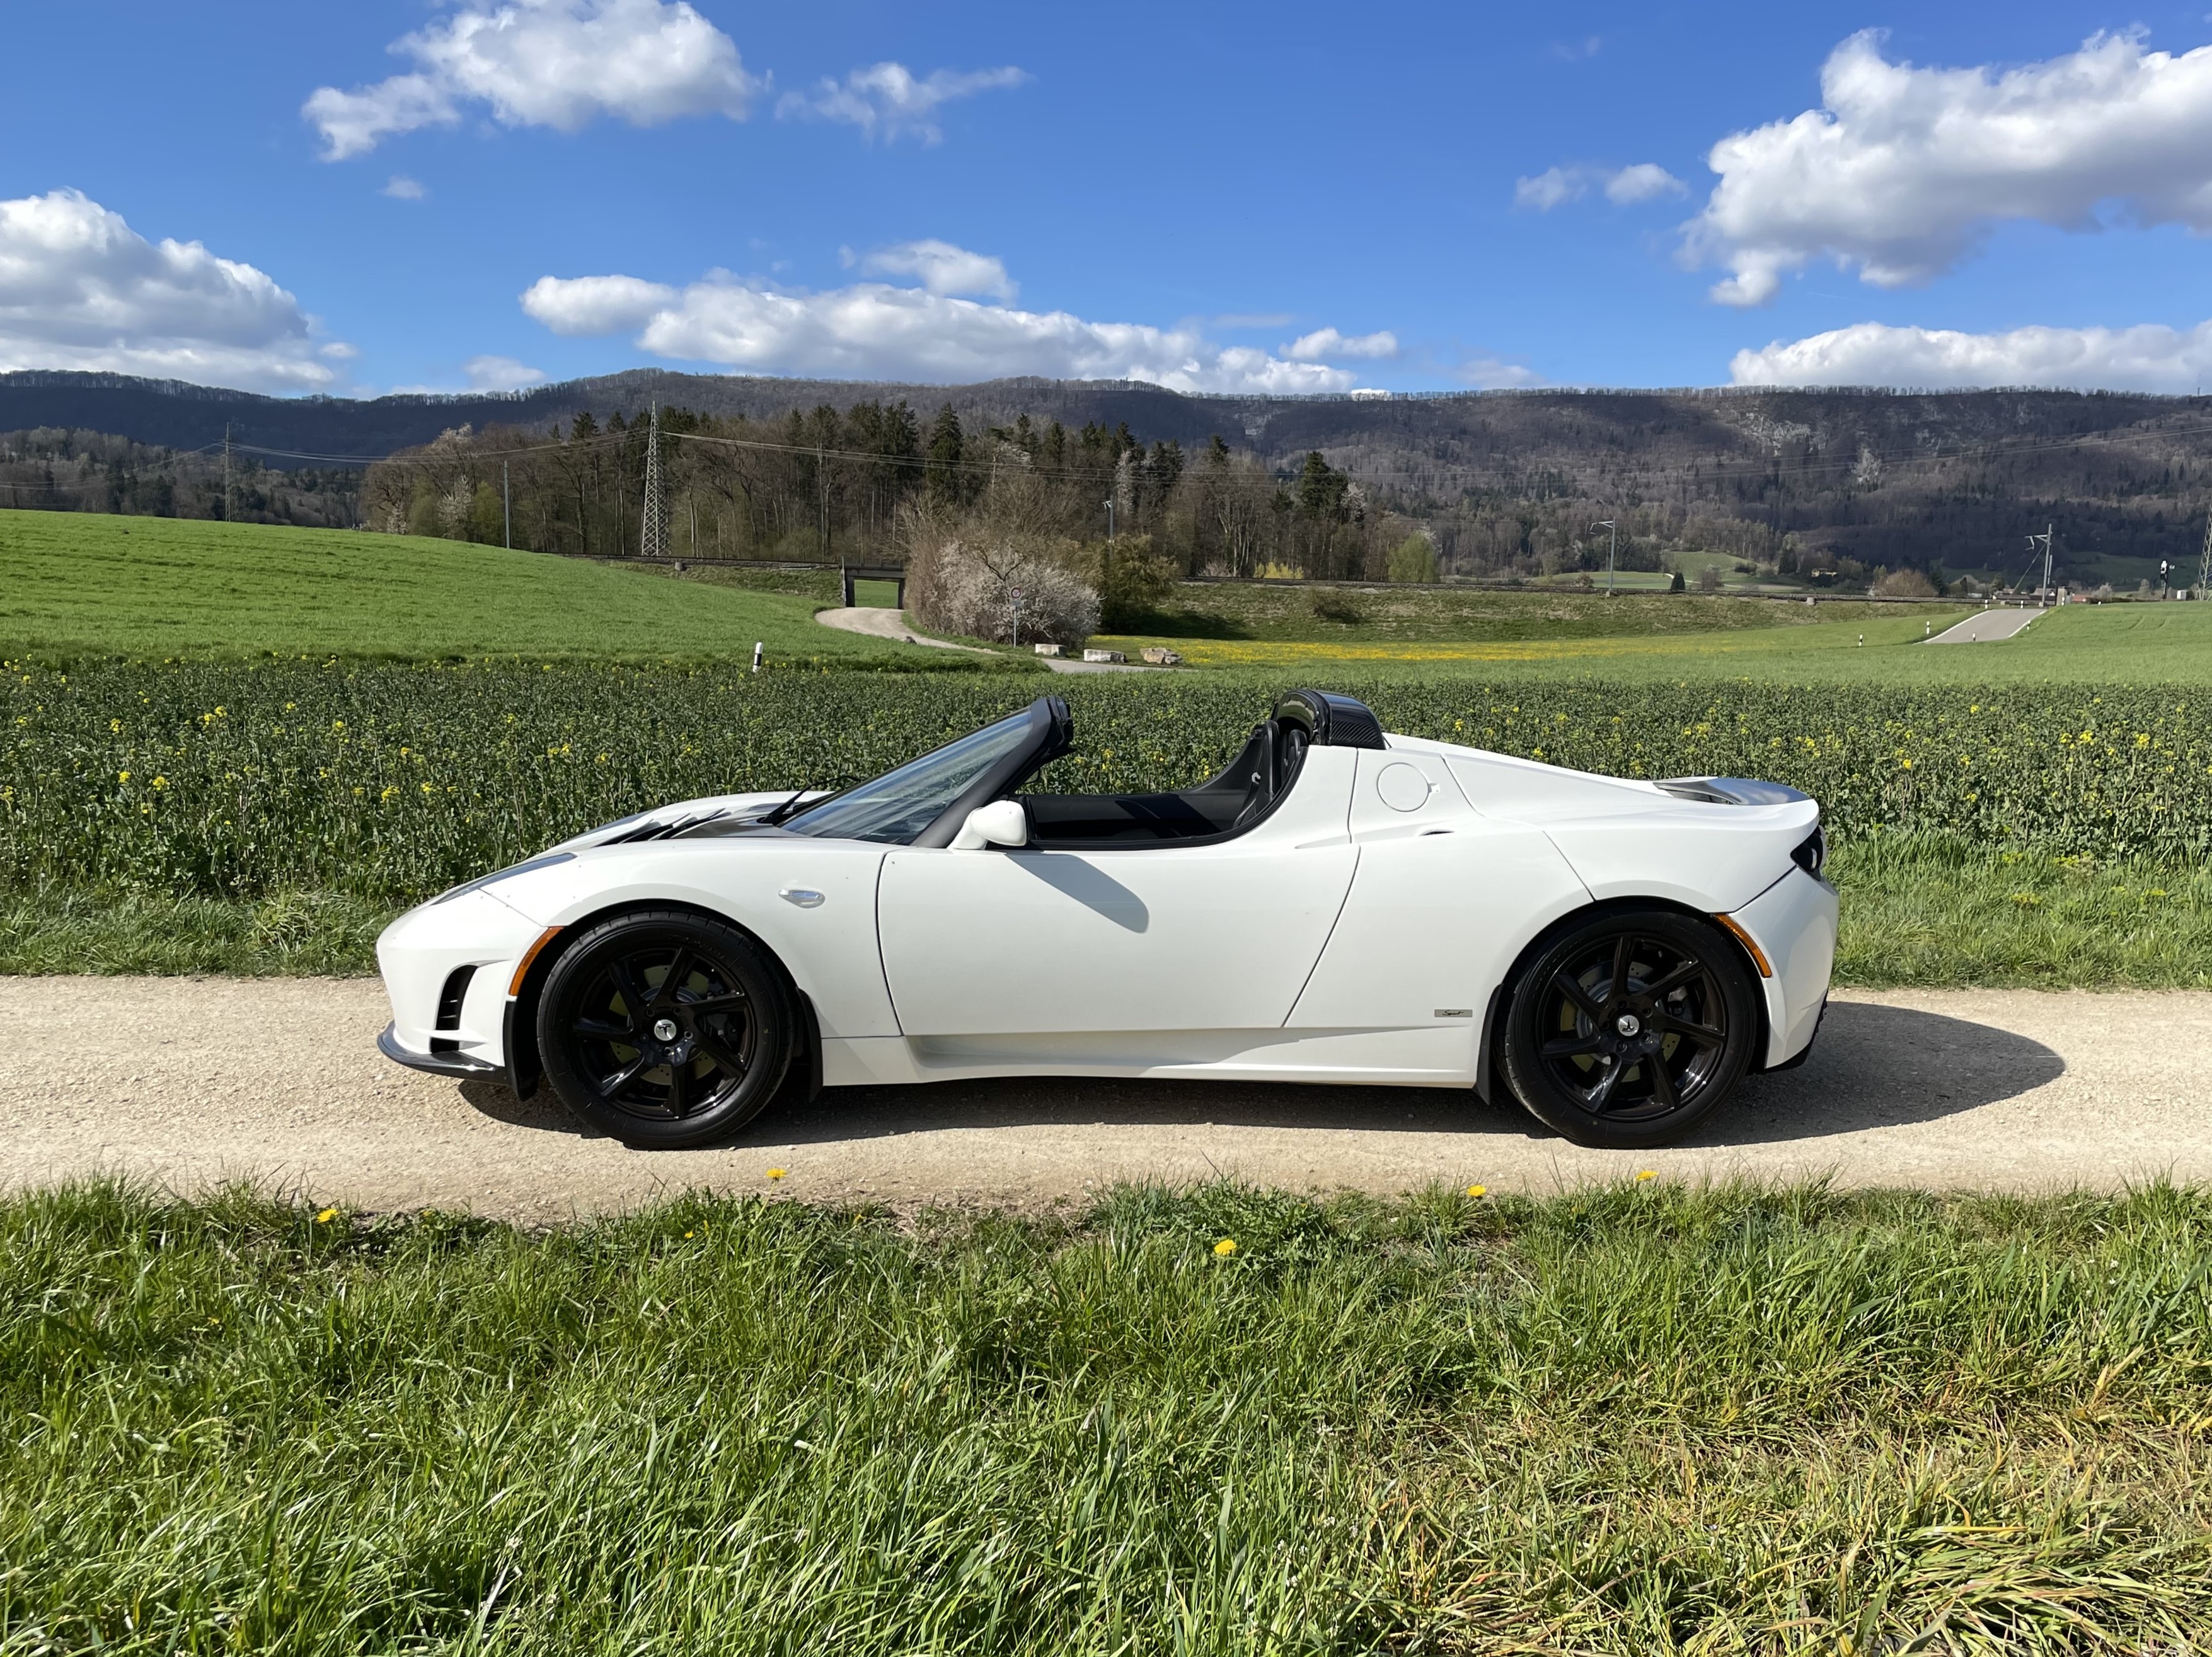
1001 823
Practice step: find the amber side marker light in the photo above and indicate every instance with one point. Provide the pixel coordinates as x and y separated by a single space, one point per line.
1728 921
522 971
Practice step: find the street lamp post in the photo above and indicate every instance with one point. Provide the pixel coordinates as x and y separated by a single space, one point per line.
1613 547
1017 617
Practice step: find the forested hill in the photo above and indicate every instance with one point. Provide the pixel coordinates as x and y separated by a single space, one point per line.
1498 480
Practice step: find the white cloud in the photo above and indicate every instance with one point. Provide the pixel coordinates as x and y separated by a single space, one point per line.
544 63
500 374
1325 342
403 188
1624 186
2148 357
1487 373
941 268
596 305
890 99
1646 181
80 288
1903 171
872 330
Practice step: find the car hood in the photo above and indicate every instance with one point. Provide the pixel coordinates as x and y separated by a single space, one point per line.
667 822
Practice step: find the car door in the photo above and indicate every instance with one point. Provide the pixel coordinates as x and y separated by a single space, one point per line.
1032 942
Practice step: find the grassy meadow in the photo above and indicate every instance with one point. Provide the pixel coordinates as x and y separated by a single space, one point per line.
1633 1420
76 584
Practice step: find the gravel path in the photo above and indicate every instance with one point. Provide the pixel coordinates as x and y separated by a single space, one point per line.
189 1081
878 623
1986 627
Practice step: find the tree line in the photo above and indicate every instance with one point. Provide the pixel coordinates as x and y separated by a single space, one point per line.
846 486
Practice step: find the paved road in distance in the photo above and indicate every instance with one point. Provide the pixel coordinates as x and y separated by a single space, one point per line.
1987 627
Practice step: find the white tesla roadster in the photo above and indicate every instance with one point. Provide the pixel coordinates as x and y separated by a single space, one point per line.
1339 905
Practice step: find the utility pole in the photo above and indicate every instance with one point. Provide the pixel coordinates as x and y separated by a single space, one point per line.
1109 518
226 471
1612 549
2042 593
652 541
506 506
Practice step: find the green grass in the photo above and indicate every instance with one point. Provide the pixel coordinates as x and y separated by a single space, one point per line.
1293 612
77 584
2117 643
1919 911
1635 1420
875 594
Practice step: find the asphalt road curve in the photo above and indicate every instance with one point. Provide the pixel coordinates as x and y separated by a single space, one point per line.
190 1083
1986 627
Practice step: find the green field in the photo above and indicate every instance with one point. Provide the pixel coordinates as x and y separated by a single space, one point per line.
75 584
1290 612
2117 643
875 594
1633 1420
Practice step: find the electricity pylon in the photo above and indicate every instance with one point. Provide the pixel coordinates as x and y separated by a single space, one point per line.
653 536
2204 567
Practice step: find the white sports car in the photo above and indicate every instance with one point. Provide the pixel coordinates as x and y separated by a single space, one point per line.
1338 904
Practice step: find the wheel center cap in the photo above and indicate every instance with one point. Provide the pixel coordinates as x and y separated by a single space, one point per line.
1628 1024
664 1029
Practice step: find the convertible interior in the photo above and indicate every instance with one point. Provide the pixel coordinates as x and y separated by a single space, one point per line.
1233 800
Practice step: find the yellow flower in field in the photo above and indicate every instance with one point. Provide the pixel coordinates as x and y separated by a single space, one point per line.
777 1174
1906 764
1225 1247
1478 1190
123 777
1644 1174
691 1234
160 782
326 1216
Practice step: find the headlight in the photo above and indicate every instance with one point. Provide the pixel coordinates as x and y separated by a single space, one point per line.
483 880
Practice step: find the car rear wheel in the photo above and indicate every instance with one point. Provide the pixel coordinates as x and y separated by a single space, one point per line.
665 1029
1631 1029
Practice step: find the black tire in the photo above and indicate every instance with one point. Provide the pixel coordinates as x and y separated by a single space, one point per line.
1630 1028
666 1029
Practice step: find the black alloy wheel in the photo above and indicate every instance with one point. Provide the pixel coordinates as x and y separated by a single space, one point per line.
1631 1029
665 1029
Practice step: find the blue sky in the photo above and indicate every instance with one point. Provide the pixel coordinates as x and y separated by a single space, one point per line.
1428 197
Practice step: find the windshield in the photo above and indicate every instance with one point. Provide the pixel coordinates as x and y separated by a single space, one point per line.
899 805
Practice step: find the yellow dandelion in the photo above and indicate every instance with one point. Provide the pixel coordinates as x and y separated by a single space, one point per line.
326 1216
689 1233
1478 1190
1642 1174
777 1174
123 777
1225 1247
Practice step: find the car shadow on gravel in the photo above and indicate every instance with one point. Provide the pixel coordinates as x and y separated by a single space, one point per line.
1873 1067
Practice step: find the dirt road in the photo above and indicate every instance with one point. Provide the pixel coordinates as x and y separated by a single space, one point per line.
191 1081
876 622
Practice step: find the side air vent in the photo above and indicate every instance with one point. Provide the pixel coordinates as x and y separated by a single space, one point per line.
449 1007
1334 722
1812 856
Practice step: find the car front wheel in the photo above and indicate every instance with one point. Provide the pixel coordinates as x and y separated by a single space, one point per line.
1631 1029
665 1029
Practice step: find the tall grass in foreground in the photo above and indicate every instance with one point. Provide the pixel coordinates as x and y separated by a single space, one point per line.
1638 1420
